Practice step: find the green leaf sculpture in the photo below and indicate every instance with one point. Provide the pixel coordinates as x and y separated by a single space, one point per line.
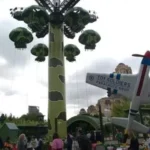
89 38
76 18
41 51
71 51
21 37
36 17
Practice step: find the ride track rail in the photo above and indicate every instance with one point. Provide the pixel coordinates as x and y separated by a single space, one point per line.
47 4
64 6
67 31
68 4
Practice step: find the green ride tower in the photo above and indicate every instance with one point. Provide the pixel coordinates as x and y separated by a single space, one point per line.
57 96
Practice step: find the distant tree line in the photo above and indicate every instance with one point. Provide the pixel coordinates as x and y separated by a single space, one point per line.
26 118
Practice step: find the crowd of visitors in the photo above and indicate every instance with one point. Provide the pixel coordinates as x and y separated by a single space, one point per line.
79 141
23 143
76 142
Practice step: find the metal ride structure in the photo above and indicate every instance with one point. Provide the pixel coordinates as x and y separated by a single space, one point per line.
57 19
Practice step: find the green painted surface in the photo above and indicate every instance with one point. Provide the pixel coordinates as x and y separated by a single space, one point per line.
57 102
89 119
9 129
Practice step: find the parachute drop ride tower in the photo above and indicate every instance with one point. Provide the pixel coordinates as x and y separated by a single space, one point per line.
55 18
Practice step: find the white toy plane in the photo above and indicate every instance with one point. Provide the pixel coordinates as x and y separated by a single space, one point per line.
135 87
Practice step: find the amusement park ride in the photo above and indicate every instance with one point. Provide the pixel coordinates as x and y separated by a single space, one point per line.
135 87
55 18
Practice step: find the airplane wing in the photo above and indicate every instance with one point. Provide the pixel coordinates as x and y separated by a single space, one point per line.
136 126
118 83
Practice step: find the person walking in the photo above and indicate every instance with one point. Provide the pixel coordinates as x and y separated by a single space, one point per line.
147 143
40 144
84 142
22 142
7 144
29 144
1 144
93 140
69 141
134 143
75 144
57 143
119 137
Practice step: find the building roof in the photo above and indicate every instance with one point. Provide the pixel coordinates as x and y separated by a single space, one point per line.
11 126
121 64
94 121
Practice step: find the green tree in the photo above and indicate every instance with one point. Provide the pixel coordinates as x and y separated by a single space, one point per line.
10 117
118 108
30 117
2 118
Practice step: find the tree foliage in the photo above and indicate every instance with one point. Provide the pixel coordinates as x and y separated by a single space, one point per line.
26 119
5 117
31 117
118 109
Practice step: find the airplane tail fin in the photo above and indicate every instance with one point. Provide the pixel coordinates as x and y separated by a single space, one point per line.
136 126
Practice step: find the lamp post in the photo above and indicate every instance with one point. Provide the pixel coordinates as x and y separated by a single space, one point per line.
107 111
40 124
40 117
50 17
56 125
101 122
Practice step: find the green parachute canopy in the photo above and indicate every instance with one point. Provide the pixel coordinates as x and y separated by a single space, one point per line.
41 51
21 37
18 15
36 17
71 51
76 18
89 38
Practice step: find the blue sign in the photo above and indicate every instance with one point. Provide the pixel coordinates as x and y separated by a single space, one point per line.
113 83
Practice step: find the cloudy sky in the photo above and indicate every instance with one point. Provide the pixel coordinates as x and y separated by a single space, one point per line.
124 26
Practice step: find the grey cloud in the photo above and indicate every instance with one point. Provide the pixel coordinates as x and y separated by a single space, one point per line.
11 93
97 66
8 90
15 58
9 72
80 93
43 83
133 62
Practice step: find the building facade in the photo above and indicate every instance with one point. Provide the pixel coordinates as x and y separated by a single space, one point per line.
33 109
122 68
